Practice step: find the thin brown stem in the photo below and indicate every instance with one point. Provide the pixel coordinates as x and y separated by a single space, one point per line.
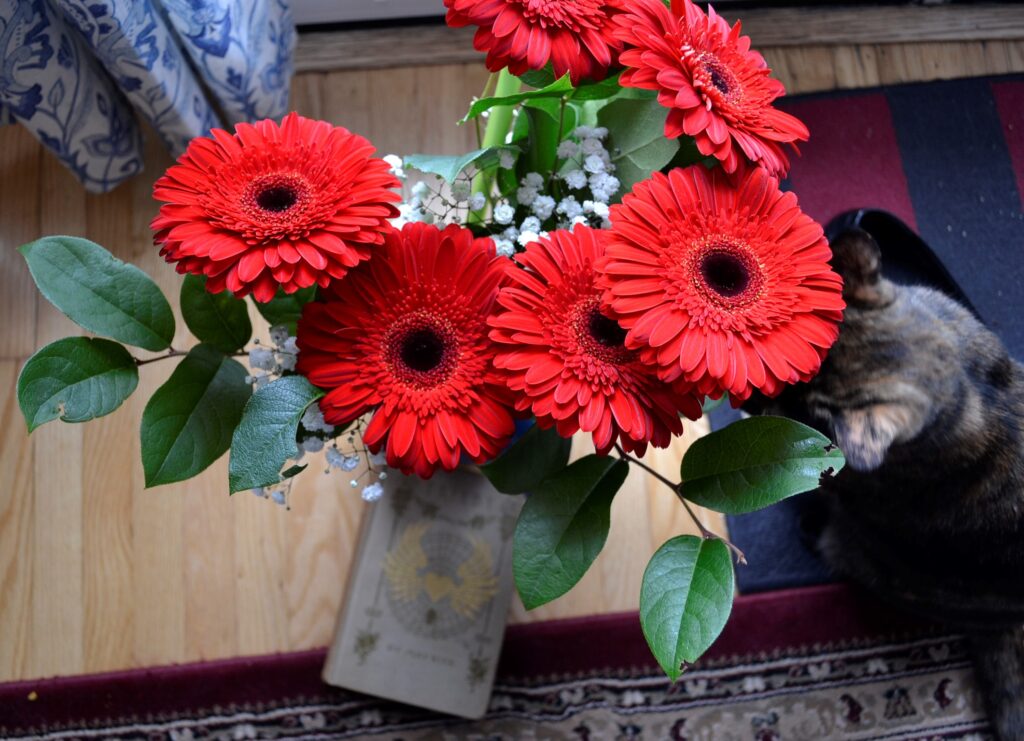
677 489
172 353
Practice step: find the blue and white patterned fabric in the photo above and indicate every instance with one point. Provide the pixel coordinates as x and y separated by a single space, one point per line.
74 71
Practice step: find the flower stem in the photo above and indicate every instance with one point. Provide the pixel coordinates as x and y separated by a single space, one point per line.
498 124
677 489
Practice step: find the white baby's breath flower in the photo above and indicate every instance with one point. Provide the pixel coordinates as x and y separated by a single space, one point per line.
279 334
568 149
594 164
575 179
287 361
396 165
312 445
506 159
530 224
278 497
591 146
511 234
420 189
261 358
373 492
504 247
378 459
460 190
525 196
526 238
543 207
577 221
601 209
504 213
533 180
477 201
583 132
569 207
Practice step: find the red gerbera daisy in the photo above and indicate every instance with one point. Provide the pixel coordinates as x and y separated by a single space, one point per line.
574 35
726 286
567 359
718 90
409 342
289 206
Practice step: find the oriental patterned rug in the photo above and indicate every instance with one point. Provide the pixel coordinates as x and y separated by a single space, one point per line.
815 663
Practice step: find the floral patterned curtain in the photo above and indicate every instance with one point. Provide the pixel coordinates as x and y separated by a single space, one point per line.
75 73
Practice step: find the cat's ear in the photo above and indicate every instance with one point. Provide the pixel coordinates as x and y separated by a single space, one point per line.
865 435
857 257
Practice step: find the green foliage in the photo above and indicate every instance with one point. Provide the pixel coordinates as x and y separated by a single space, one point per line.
265 439
756 462
536 456
538 78
99 292
285 309
188 422
450 167
549 122
558 89
636 139
220 319
76 379
685 600
563 526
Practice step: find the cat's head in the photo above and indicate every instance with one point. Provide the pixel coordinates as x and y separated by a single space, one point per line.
909 376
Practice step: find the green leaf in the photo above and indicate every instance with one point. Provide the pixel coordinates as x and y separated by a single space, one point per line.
607 88
685 599
449 167
265 438
548 125
294 471
636 137
756 462
538 78
558 89
217 319
99 292
76 379
187 425
536 456
285 309
563 526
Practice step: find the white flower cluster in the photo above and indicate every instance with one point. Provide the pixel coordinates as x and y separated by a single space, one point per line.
587 170
275 360
315 435
429 204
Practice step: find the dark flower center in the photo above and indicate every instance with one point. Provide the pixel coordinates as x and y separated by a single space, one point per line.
606 331
422 350
725 274
277 198
719 80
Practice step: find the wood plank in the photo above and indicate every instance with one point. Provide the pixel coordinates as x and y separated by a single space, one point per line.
20 158
57 503
791 27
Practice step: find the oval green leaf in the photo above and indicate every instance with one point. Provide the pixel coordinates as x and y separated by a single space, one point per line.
217 319
449 167
265 438
76 379
756 462
560 88
285 309
188 422
536 456
563 527
636 138
685 600
99 292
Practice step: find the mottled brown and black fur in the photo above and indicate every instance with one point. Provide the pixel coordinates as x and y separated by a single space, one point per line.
928 408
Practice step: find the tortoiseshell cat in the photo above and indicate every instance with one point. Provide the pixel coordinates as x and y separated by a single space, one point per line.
928 407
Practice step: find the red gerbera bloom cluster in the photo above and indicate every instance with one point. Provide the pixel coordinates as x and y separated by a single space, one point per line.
724 286
291 206
566 360
718 90
574 35
408 342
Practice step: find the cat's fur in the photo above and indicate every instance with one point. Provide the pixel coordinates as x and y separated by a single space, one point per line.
928 408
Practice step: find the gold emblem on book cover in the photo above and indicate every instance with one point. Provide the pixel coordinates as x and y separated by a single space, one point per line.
439 579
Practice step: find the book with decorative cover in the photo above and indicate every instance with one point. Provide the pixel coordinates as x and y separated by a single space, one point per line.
428 597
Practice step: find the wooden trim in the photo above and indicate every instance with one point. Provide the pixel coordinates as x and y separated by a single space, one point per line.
770 27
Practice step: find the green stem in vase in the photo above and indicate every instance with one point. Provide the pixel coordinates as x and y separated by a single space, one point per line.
499 122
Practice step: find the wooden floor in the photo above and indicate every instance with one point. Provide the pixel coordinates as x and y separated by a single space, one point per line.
97 573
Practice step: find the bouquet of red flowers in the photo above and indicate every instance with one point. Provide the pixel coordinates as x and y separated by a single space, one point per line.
615 255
